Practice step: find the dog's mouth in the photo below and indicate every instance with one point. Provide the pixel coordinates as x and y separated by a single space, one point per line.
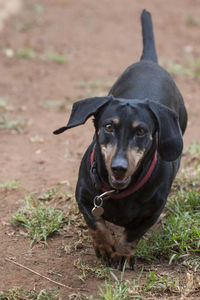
119 184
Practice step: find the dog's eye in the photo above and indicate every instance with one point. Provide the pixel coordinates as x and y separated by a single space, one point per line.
140 132
109 128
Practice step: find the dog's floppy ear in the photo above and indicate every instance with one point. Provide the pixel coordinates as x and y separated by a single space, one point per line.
170 142
82 110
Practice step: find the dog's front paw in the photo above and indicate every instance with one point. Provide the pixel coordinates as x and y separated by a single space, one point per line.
121 261
111 258
106 253
112 253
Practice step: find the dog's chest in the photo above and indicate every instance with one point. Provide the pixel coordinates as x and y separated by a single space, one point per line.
121 212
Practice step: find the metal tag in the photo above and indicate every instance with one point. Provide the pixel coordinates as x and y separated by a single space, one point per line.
97 211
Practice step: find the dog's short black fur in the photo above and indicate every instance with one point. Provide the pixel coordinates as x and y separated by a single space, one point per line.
142 117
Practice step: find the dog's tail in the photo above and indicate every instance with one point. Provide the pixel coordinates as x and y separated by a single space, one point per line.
149 49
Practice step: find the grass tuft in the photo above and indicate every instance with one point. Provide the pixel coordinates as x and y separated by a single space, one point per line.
117 291
179 232
140 288
194 149
56 57
39 220
18 125
190 68
191 20
28 53
49 195
25 53
21 294
10 185
100 271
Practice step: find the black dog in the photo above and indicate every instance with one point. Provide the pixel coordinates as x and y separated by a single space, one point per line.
127 172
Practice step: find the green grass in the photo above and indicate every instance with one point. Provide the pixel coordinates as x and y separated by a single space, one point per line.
18 125
118 290
143 286
39 220
28 53
21 294
178 69
3 103
54 104
179 232
194 149
55 57
49 195
178 235
100 271
191 20
39 8
189 68
25 53
10 185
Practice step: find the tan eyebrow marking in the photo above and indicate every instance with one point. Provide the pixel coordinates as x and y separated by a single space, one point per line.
116 121
135 124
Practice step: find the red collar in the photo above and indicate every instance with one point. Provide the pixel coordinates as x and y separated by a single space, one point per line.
132 189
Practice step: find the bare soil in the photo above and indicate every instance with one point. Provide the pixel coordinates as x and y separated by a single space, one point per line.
100 39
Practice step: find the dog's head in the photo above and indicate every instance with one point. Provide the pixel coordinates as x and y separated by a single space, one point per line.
125 131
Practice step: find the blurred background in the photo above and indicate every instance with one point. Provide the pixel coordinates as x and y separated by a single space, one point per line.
54 52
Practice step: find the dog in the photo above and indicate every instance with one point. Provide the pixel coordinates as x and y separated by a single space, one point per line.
127 171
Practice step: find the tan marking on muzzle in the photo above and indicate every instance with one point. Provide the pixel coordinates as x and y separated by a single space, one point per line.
108 152
134 157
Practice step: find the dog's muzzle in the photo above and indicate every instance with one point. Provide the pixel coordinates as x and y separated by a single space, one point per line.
119 184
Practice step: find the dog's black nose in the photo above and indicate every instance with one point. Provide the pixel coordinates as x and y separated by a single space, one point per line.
119 167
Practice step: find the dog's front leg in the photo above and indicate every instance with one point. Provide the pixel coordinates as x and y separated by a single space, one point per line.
102 239
104 243
131 236
111 252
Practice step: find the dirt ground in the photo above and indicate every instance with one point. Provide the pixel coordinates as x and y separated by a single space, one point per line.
100 39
